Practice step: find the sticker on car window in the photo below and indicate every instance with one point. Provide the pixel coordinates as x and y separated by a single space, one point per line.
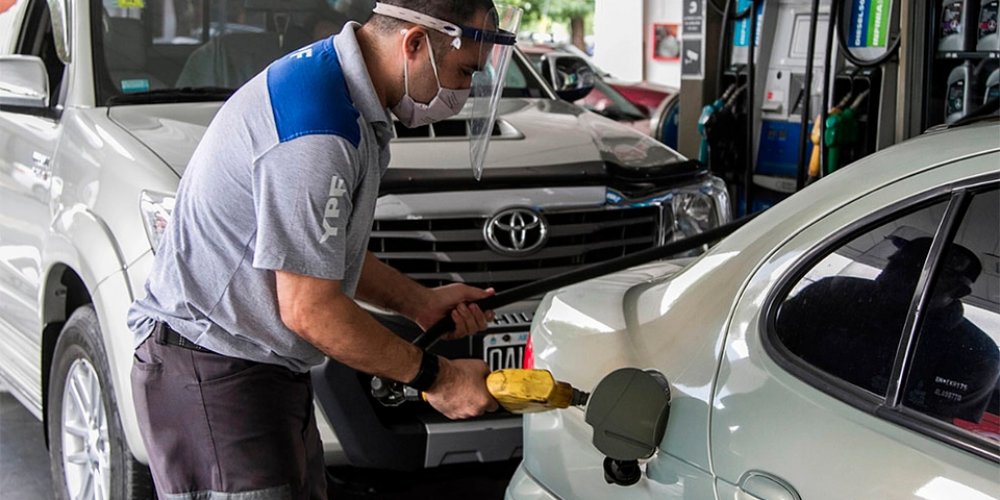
131 4
138 85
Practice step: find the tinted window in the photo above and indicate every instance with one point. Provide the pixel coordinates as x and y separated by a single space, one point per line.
518 82
186 49
163 45
846 315
955 365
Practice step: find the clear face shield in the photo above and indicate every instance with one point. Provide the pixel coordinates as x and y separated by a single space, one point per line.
488 83
496 39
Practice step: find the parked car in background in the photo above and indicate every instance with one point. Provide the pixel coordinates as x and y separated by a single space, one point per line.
643 106
96 133
841 345
644 94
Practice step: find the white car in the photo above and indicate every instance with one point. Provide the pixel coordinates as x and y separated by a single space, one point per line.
96 132
843 345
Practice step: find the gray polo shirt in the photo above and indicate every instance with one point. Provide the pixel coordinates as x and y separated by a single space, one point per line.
285 178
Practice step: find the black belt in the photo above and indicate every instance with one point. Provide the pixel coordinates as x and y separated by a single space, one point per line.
165 336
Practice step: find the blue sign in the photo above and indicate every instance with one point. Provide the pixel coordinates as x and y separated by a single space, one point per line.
741 33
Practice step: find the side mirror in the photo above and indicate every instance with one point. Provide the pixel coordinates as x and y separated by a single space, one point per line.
570 76
24 82
629 411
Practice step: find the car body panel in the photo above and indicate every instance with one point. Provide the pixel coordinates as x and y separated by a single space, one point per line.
25 178
678 323
766 419
646 94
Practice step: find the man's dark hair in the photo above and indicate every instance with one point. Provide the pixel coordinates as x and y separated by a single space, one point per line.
453 11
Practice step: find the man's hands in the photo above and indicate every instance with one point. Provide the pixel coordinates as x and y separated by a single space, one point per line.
453 299
460 390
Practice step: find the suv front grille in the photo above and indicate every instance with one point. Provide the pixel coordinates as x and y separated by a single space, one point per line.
440 251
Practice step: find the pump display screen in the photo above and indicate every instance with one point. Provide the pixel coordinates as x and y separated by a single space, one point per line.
956 98
988 19
951 21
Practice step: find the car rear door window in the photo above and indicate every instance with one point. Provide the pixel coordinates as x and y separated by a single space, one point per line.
953 375
847 314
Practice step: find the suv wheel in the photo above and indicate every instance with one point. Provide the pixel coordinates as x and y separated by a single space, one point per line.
87 452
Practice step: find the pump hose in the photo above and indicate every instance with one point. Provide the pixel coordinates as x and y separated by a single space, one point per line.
723 48
853 59
831 27
803 170
751 97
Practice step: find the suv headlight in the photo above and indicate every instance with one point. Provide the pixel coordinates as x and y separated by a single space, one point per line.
156 209
700 208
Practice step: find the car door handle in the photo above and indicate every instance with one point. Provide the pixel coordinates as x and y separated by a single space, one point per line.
765 486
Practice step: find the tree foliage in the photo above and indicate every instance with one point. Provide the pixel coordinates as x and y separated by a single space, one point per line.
561 11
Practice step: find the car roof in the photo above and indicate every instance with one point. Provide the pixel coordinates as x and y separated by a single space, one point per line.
863 177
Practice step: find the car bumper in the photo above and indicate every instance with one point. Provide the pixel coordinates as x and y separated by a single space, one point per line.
524 487
414 436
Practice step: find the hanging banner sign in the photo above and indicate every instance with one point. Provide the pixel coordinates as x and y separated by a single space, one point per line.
692 41
869 23
741 33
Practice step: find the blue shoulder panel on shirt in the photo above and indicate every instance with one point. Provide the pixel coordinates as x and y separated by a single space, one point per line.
309 95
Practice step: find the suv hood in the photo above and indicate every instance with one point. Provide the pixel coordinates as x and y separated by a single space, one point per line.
535 136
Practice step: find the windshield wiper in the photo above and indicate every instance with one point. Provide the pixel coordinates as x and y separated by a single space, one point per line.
186 94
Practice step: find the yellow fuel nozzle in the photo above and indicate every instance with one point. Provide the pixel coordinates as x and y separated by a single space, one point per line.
532 391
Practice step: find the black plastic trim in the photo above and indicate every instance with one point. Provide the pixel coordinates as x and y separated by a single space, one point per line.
631 182
841 390
376 437
946 230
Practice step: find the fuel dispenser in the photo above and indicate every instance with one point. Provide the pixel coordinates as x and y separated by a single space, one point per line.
806 87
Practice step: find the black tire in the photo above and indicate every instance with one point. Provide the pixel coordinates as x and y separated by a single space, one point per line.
79 347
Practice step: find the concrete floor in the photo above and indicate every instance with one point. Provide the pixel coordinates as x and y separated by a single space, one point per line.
24 470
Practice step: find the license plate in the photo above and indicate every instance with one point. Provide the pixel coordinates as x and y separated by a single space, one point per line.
504 350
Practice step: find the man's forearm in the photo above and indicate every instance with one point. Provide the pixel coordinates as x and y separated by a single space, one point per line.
347 333
385 287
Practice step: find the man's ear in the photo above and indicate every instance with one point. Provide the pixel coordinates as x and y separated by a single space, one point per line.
414 42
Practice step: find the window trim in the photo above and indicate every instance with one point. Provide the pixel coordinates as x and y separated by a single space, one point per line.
958 195
947 228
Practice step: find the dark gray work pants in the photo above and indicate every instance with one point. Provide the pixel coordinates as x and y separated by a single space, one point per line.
220 428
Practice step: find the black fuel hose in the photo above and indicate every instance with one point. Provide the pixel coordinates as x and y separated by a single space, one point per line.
804 129
545 285
723 54
827 77
750 100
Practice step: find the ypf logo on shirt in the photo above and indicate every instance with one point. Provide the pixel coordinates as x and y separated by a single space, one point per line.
303 53
332 212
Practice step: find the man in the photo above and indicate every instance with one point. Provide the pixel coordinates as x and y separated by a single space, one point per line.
256 278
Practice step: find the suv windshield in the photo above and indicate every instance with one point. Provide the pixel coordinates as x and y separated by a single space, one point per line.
154 51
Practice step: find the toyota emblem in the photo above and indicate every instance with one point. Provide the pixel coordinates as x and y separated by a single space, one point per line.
516 232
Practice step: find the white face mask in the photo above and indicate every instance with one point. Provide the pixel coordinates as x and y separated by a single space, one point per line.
446 103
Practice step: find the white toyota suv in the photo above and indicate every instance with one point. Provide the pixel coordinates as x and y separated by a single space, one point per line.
102 104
